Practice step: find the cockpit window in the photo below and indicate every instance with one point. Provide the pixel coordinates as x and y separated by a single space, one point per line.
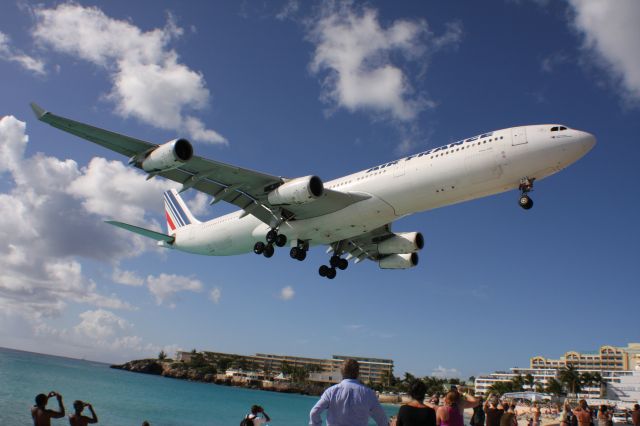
562 128
554 129
558 128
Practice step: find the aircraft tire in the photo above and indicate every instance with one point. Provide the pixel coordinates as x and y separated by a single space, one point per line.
258 248
268 251
302 255
271 236
323 270
343 264
281 240
331 273
334 261
525 202
294 253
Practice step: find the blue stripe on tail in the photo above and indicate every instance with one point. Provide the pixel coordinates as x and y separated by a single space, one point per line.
183 217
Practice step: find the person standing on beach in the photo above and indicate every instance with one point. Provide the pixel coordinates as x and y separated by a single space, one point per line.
465 400
258 416
493 413
449 414
509 418
536 414
582 413
416 413
349 403
77 419
41 414
635 415
477 419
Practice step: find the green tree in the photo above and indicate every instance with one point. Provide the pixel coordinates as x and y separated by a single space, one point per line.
554 387
500 388
598 380
529 380
570 376
471 379
162 356
517 383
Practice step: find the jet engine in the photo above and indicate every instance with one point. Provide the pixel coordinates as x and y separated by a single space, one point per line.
398 261
297 191
402 243
167 156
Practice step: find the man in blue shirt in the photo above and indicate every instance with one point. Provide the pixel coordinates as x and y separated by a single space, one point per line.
349 403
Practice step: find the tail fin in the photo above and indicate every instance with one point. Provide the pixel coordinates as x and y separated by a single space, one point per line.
176 211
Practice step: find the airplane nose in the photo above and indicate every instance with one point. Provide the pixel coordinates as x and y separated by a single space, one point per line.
588 141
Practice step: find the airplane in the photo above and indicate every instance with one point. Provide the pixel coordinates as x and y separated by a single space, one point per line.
351 214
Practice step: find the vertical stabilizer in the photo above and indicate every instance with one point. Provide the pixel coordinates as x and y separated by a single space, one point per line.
176 211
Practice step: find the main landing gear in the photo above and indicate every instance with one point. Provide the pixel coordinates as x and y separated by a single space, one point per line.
334 262
272 238
526 186
299 251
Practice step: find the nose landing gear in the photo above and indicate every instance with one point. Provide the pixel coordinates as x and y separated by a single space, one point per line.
526 186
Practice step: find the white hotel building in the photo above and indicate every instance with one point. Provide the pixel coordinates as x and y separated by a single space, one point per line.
618 366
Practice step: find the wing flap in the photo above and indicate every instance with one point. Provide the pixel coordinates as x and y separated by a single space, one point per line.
158 236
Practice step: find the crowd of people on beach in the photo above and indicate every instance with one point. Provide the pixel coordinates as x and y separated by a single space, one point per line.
350 403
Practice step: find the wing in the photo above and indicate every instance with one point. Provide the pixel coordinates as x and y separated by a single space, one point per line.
247 189
364 246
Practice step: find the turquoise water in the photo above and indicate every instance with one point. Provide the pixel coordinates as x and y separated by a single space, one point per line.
123 398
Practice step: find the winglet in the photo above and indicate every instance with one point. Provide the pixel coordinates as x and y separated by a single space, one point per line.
37 110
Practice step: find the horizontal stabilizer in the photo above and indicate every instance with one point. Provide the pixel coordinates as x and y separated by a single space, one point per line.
158 236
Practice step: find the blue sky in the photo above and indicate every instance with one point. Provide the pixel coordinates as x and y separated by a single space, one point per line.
297 88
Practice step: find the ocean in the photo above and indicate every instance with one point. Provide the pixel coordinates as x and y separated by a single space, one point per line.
121 398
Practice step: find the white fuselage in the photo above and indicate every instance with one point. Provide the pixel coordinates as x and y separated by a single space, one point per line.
465 170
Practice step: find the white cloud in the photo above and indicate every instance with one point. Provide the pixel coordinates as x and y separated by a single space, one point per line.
358 58
50 219
215 294
112 190
610 33
199 204
10 54
100 324
287 293
165 287
443 372
289 9
148 81
126 278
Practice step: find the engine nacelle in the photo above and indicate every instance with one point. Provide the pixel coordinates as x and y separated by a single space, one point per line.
167 156
402 243
398 261
297 191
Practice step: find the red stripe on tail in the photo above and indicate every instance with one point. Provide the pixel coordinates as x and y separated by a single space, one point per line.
169 221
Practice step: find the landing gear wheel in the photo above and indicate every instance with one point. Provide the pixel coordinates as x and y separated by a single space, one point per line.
258 248
525 202
334 261
271 236
331 273
323 270
268 251
294 252
281 240
302 255
342 264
